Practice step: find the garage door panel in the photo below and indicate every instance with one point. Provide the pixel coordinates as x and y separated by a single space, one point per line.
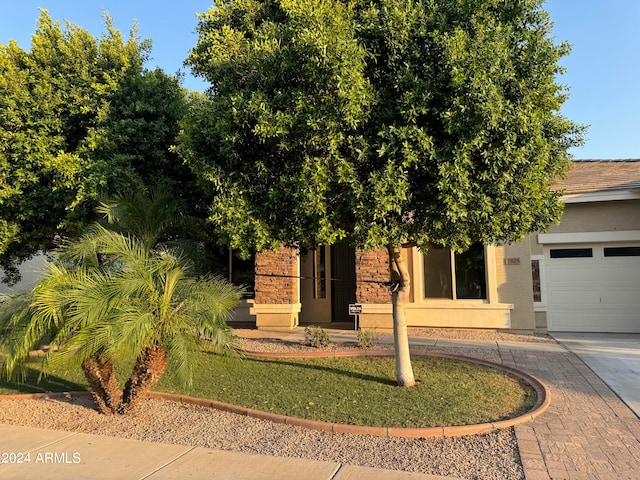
621 299
618 276
569 275
595 323
574 297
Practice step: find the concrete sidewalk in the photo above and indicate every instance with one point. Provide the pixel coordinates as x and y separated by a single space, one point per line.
33 453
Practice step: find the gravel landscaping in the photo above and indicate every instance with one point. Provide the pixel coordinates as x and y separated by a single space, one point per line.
490 456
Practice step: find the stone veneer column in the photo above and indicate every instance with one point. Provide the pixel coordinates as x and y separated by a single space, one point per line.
372 270
277 289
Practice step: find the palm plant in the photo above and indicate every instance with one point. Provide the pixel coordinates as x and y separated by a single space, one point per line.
48 315
110 295
149 216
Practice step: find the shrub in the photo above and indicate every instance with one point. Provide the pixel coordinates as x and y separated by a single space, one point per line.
367 338
316 336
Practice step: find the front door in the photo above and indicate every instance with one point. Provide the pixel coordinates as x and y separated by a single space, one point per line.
343 282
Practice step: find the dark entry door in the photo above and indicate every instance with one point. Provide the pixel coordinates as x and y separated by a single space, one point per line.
343 283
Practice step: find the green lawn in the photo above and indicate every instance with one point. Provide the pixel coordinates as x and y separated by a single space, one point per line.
356 390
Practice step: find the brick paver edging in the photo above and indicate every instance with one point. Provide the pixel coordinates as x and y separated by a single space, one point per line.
542 403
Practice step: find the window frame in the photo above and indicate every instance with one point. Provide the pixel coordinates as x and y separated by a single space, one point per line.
542 304
621 251
488 284
563 253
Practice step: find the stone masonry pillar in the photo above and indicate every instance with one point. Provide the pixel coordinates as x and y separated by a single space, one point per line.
372 270
277 289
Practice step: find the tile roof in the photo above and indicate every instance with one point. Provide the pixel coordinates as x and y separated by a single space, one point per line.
589 176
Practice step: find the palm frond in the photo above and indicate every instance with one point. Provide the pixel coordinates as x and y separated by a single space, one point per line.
181 349
146 215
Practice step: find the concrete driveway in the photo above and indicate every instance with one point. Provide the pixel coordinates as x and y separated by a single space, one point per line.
614 357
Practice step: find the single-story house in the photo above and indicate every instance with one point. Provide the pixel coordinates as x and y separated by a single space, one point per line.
582 275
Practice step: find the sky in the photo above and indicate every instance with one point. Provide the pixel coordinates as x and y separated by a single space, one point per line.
602 70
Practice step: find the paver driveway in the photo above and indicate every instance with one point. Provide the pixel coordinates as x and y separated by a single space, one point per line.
587 432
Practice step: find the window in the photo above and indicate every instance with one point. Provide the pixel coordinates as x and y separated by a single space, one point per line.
243 272
622 252
571 253
537 284
222 261
456 276
319 273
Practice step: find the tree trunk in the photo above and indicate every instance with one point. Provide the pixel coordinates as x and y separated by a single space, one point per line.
147 370
102 384
400 291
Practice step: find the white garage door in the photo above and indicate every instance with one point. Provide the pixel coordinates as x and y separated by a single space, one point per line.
593 288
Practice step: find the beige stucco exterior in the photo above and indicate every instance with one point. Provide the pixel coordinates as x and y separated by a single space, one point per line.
508 286
619 215
513 266
600 216
424 312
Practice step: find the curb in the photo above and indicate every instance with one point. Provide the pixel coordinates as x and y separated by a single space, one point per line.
543 395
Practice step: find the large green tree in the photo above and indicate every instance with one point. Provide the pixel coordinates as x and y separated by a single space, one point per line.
79 116
380 124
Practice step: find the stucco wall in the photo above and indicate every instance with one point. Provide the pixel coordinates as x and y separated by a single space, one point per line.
30 270
541 321
599 217
514 283
594 217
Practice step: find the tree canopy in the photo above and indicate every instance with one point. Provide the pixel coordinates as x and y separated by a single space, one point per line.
79 116
378 123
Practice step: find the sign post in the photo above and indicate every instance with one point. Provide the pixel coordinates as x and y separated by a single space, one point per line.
355 309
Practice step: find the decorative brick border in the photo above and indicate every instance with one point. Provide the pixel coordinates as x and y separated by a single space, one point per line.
542 392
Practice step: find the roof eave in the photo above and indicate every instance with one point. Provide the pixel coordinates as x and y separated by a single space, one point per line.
602 196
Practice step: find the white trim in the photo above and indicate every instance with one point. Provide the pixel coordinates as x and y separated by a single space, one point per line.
589 237
259 308
490 274
438 304
602 196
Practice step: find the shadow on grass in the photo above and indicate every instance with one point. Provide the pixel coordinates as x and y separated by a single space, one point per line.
330 369
27 382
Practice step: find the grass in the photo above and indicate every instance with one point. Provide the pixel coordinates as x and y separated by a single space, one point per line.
356 390
66 382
